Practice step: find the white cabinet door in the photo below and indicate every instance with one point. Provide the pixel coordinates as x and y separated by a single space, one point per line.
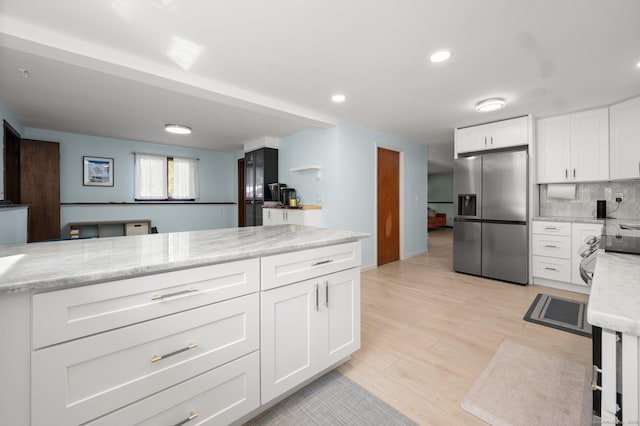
273 217
625 140
306 327
503 134
554 149
341 316
470 139
580 232
288 342
295 217
590 145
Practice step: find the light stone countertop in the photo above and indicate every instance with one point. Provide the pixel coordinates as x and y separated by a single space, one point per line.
50 265
614 302
568 219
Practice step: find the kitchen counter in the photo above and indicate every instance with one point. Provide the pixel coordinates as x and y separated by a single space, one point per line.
60 264
614 302
568 219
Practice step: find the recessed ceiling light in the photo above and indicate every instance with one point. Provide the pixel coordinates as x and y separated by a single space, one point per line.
490 105
338 98
178 129
638 65
440 56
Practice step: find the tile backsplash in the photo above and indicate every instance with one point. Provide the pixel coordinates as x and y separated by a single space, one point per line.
584 204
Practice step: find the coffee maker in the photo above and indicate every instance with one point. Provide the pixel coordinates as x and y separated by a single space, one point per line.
276 190
289 194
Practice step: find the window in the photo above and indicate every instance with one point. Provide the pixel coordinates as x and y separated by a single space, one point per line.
159 177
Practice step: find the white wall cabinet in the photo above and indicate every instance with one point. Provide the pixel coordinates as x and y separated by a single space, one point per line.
625 140
573 147
275 216
307 327
500 134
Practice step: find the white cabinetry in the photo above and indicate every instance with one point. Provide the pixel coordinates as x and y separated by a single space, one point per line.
574 147
307 217
625 140
556 247
307 327
580 233
500 134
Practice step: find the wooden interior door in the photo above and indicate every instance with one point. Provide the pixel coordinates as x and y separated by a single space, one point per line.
241 190
11 164
388 206
40 187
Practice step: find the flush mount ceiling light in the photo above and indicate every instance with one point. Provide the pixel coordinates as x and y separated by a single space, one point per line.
638 65
177 129
338 98
490 105
440 56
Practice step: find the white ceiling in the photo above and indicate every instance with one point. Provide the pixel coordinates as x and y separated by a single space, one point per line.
103 67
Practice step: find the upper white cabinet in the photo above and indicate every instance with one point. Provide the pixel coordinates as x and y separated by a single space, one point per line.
625 140
501 134
574 147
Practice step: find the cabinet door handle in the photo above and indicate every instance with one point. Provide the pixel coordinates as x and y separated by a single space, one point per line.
157 358
550 269
566 173
317 290
322 262
177 293
485 141
574 173
551 228
326 294
550 246
492 140
192 415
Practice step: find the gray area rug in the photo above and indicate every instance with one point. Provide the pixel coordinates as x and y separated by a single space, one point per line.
522 386
333 399
561 314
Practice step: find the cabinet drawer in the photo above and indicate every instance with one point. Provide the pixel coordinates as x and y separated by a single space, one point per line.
219 396
63 315
552 246
288 268
552 268
552 228
136 228
78 381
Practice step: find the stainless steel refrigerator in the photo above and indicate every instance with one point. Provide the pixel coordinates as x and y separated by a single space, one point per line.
490 234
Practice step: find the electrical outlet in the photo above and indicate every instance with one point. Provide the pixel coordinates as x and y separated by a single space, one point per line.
619 197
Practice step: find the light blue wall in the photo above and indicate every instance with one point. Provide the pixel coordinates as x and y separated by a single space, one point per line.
217 175
5 114
346 188
441 189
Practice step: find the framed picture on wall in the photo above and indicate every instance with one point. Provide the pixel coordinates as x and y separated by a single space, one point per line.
97 171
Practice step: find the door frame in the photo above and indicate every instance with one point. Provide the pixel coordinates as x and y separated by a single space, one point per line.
241 190
401 198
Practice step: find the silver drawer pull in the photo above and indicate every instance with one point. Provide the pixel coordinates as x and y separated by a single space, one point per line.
550 269
594 378
177 293
551 228
550 246
322 262
157 358
192 415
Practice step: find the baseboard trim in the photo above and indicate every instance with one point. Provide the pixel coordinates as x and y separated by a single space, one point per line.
560 285
417 253
366 268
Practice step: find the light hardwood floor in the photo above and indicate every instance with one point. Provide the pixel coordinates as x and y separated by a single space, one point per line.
428 332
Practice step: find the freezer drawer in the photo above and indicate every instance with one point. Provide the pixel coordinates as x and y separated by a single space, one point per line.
505 254
467 245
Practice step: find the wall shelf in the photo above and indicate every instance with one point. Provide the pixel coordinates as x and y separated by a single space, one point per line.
305 168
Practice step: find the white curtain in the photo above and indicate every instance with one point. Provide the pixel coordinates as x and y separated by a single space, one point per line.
185 179
151 177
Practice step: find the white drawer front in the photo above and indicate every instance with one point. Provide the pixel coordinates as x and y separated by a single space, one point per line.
219 396
552 268
552 246
138 228
64 315
552 228
289 268
78 381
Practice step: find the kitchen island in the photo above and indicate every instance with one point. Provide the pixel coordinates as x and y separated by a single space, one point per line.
614 306
160 328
